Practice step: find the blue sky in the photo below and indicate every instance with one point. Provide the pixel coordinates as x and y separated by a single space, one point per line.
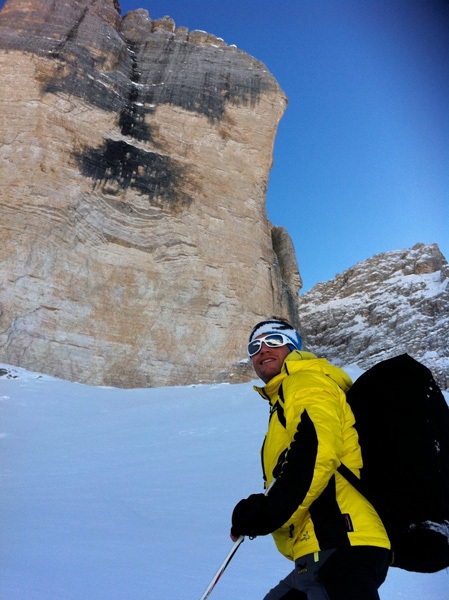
361 158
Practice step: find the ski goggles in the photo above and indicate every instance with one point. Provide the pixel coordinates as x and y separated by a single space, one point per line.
272 340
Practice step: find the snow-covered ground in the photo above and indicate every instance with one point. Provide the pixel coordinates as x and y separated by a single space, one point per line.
111 494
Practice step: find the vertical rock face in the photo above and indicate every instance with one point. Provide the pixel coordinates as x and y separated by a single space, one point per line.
134 160
389 304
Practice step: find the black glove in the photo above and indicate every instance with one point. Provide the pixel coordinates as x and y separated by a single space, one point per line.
260 514
249 516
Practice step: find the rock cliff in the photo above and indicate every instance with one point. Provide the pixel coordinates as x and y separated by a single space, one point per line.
134 161
389 304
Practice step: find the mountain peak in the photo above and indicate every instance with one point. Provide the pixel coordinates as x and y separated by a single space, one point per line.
391 303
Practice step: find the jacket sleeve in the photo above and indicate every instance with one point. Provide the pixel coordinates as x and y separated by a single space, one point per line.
260 514
313 419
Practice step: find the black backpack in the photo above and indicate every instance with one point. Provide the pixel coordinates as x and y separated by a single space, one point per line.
402 420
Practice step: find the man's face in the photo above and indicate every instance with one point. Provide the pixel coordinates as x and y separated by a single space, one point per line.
268 361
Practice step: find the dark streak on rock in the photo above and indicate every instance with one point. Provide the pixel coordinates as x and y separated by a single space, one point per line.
149 173
160 70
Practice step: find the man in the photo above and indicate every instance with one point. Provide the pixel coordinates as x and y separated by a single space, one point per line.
318 520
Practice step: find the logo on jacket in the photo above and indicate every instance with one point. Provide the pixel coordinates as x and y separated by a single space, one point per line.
348 522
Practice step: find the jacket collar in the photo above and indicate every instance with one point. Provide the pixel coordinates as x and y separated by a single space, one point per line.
299 360
270 390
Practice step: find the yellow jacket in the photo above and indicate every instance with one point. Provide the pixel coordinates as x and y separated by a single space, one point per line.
310 433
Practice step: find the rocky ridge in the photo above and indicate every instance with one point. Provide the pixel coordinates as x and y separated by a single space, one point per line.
392 303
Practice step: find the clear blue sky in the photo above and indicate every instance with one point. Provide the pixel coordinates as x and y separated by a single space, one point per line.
361 159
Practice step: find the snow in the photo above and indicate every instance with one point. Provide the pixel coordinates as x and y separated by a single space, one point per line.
127 494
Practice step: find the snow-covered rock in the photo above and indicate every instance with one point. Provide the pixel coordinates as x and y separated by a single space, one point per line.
392 303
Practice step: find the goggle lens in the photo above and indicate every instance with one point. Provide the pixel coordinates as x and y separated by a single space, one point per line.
272 340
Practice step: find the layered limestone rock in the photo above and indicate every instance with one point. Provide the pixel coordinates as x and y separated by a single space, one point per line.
389 304
134 161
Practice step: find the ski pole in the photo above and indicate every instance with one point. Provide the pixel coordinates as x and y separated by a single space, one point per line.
222 568
229 556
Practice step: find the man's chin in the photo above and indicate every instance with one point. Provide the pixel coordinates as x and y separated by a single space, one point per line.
268 371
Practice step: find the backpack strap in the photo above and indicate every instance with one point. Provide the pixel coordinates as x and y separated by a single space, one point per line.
362 489
355 482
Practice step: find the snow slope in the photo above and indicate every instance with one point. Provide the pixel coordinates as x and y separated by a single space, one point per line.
111 494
